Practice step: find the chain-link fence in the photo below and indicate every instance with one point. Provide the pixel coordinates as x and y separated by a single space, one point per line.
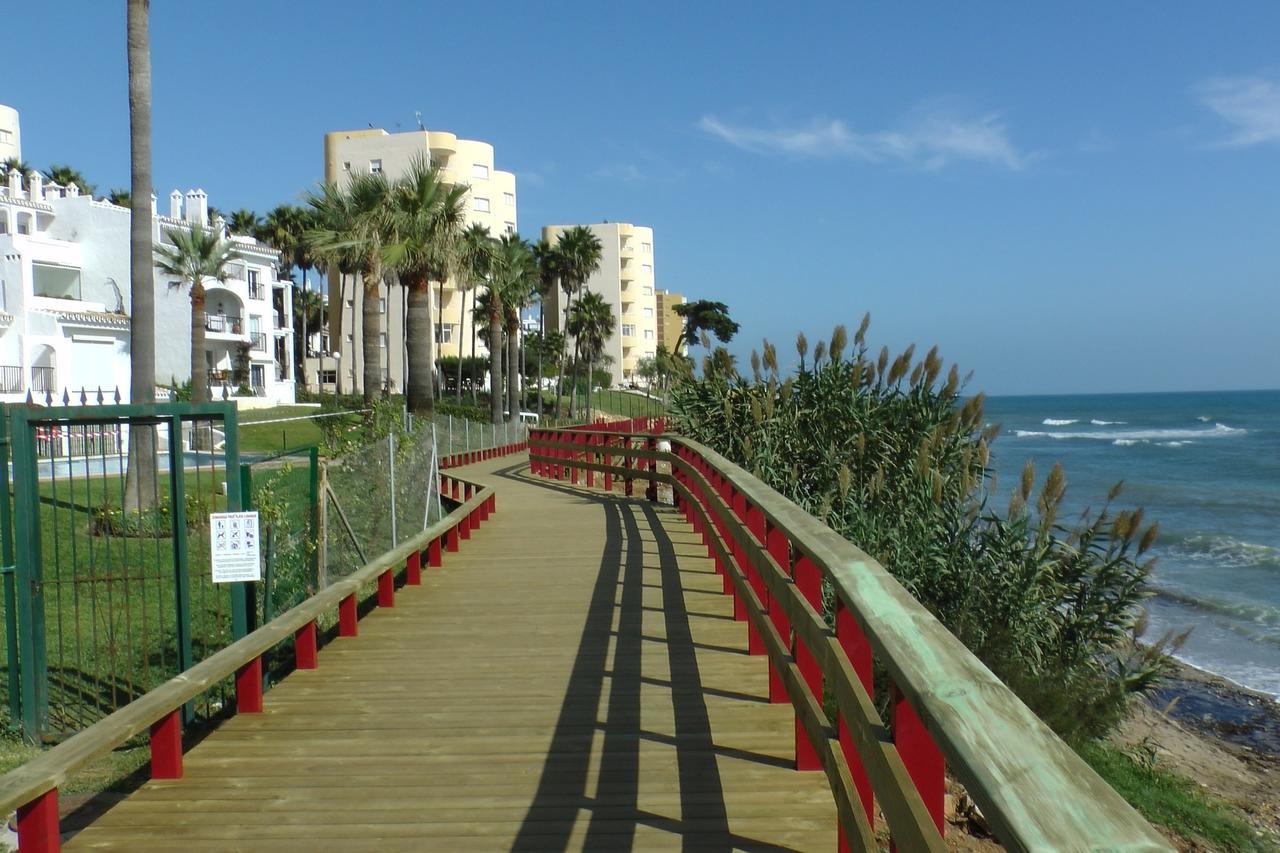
458 435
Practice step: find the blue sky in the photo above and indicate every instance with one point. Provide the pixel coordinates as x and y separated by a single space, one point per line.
1065 200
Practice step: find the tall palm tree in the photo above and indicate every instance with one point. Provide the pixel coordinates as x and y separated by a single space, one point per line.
356 223
330 214
475 262
547 257
243 221
197 253
515 279
591 324
426 217
308 309
579 251
140 480
63 175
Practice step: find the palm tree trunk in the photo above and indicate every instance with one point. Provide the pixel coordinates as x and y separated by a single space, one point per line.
371 333
199 371
457 391
471 372
542 345
495 359
513 368
342 303
564 332
140 479
418 330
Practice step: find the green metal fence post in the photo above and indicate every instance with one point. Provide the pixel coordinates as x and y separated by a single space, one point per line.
181 563
243 607
33 664
313 484
10 586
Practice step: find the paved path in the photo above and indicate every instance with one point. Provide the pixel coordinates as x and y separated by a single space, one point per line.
572 679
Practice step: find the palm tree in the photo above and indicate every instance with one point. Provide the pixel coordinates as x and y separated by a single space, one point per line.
285 228
140 480
704 315
515 279
579 251
243 222
197 253
309 308
21 166
591 323
356 224
65 176
547 258
475 262
426 217
330 214
119 197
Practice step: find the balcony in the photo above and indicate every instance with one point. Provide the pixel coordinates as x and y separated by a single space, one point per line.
10 379
42 379
256 289
278 321
258 340
222 324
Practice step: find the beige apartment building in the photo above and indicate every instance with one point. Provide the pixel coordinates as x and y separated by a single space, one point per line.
670 324
491 202
625 280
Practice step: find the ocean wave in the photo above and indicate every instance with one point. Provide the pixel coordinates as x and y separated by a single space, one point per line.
1223 551
1060 421
1097 422
1129 442
1203 418
1257 623
1146 435
1175 443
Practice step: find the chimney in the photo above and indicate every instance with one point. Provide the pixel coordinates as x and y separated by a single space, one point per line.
175 204
35 186
154 206
15 183
197 208
220 227
73 190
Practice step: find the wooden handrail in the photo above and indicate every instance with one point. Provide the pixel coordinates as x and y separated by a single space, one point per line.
1033 789
27 784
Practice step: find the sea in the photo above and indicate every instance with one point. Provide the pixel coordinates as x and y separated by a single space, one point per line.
1206 466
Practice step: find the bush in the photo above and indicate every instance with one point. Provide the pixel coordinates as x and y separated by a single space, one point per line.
109 520
891 456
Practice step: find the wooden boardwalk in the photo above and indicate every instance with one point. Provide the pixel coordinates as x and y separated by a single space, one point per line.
572 679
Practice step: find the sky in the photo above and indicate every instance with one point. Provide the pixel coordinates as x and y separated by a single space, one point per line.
1084 198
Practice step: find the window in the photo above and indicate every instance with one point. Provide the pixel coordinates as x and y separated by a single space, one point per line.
346 165
444 333
255 290
647 290
56 282
480 170
648 334
375 167
509 199
510 227
481 205
628 330
382 340
351 303
647 269
5 136
648 312
382 305
647 248
349 338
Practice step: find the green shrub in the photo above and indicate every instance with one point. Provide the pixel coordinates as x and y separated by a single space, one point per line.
108 519
887 452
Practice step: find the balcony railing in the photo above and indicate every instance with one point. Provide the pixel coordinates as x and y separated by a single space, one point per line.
256 289
223 325
10 379
42 379
279 321
259 340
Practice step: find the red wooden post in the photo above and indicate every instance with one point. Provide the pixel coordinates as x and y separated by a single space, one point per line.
166 746
591 442
387 589
457 490
347 616
38 824
434 558
451 538
856 647
924 762
607 458
809 581
779 549
464 525
652 492
413 569
754 519
444 485
628 485
492 503
304 646
249 687
574 439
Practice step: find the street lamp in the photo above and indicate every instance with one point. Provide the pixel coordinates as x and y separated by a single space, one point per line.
337 372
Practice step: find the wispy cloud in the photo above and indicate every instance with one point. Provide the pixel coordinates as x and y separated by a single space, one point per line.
1250 105
931 141
628 172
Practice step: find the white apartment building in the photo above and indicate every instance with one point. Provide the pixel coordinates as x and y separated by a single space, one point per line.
626 281
64 300
491 201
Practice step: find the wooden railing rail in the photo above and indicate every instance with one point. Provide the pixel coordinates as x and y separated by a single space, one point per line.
33 788
948 709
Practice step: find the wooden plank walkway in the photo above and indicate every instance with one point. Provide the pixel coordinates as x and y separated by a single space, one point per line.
572 679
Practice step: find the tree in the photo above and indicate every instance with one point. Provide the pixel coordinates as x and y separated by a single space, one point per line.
21 166
579 250
197 253
330 214
308 311
285 229
547 257
355 224
243 222
704 315
475 262
515 277
591 324
65 176
425 224
140 479
119 197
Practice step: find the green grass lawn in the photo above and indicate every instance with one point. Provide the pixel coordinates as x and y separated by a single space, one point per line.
268 438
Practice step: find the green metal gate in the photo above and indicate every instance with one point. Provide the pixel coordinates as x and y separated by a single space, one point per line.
108 590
